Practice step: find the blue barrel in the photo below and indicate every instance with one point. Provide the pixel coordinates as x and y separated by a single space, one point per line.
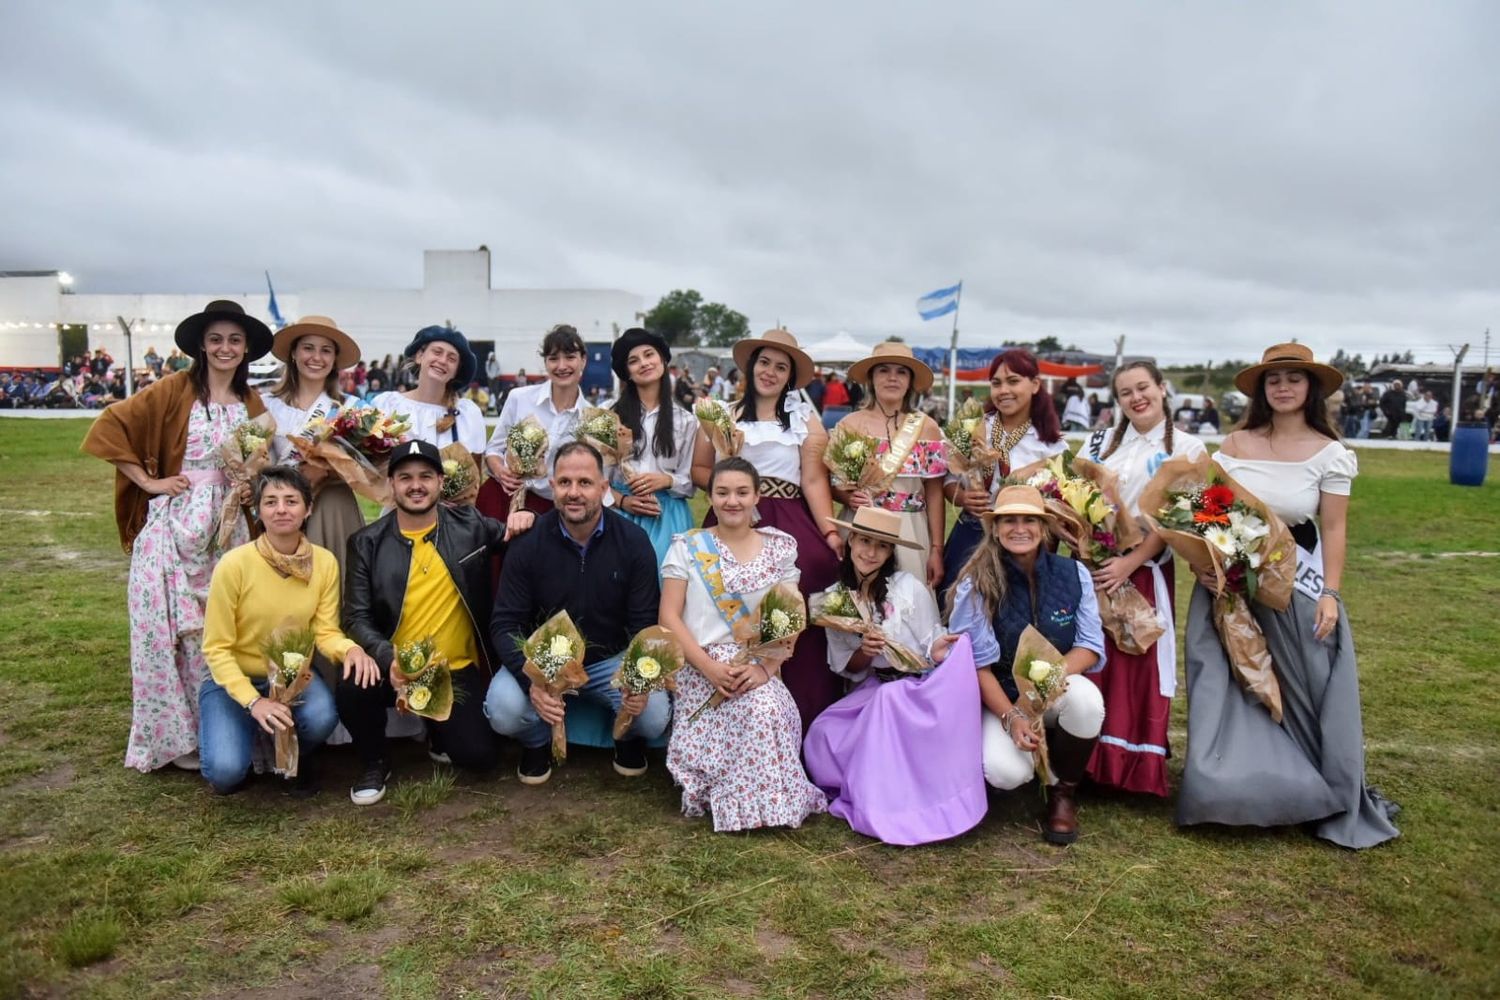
1470 454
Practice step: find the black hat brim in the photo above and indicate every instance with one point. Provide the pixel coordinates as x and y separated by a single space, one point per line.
258 336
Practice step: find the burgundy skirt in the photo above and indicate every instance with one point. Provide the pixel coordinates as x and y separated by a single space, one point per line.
1132 751
814 687
493 501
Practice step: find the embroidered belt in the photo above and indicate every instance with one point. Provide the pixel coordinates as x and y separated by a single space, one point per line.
205 477
779 489
901 503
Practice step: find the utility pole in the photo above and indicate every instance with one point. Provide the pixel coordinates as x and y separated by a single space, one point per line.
1458 381
129 357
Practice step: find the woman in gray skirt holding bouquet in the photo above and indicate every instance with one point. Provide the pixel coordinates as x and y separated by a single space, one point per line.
1242 768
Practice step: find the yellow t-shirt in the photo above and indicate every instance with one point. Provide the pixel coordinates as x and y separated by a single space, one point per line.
432 606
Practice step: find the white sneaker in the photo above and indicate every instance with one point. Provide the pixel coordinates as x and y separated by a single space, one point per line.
188 762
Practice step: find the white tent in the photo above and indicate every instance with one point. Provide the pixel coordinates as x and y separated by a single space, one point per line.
838 349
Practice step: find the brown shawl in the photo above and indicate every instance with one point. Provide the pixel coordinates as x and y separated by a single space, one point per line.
150 430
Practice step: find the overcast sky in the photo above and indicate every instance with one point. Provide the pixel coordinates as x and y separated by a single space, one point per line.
1203 178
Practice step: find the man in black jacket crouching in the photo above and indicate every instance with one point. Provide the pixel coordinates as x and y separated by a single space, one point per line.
599 568
422 570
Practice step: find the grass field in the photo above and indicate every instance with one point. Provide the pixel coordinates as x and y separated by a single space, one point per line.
116 884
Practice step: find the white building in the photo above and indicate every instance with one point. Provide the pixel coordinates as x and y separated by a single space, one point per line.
39 312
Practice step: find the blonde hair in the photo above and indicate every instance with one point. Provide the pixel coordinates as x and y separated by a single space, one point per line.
291 380
985 568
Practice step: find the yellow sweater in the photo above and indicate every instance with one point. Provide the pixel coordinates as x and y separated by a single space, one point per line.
248 601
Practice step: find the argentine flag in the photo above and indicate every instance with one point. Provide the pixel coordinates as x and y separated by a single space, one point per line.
939 303
275 311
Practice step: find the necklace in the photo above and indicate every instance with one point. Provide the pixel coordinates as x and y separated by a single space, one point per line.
1003 441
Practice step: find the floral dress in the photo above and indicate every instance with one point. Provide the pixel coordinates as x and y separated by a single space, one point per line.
743 759
170 566
907 497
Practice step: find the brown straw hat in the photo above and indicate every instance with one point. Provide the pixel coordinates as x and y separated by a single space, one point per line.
1289 356
876 522
782 340
1019 500
893 352
287 337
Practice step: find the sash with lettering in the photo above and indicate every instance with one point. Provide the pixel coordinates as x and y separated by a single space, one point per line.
704 549
891 463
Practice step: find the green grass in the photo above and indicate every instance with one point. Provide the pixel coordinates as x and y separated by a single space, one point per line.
116 884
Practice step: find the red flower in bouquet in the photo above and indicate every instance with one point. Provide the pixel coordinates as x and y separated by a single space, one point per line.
1217 499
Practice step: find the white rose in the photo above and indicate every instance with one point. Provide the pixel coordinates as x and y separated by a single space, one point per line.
1039 671
855 449
560 647
780 620
648 668
293 661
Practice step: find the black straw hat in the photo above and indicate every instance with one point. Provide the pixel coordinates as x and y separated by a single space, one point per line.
189 335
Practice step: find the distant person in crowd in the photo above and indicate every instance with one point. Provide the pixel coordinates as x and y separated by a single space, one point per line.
1354 408
1243 767
177 361
101 363
414 575
713 385
279 581
1488 408
660 463
835 392
479 396
741 760
685 392
376 383
1186 416
1075 412
1442 424
815 391
856 393
153 360
1208 418
170 488
1393 406
1370 409
1013 581
1423 413
444 365
519 382
615 599
492 375
736 384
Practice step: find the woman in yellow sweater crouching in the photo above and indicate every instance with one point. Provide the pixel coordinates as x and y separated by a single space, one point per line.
279 581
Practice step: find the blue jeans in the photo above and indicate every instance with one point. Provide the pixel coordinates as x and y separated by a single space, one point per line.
226 731
511 713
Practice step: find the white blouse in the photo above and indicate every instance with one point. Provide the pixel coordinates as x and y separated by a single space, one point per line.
1139 456
560 425
290 420
1028 450
467 429
776 452
776 563
678 465
909 617
1292 489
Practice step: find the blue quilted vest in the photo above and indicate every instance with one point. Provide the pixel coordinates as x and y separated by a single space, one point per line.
1051 604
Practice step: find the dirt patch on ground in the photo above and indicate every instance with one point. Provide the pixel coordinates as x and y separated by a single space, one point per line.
772 943
58 777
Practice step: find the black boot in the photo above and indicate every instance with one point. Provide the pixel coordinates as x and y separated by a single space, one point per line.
1068 756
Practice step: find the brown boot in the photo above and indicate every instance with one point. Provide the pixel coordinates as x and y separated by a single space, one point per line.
1061 826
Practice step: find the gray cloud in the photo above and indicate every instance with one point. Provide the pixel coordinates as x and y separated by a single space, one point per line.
1203 179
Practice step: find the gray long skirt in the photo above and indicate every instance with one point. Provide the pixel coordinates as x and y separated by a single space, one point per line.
1242 769
335 516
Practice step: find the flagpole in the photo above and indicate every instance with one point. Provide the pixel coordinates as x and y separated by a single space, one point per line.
953 356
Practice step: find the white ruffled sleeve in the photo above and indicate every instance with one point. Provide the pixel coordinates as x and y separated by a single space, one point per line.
917 611
800 411
678 563
841 648
1338 474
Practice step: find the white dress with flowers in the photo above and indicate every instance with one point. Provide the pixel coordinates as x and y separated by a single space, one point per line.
742 760
170 565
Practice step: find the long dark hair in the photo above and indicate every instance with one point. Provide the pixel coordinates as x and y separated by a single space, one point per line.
1124 421
1314 408
1043 414
750 402
849 577
628 409
239 382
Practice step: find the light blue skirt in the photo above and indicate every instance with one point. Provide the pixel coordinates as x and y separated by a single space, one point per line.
675 518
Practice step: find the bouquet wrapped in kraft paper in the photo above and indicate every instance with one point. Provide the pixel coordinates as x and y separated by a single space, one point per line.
554 659
1084 498
840 609
768 637
243 456
969 457
526 447
1225 533
354 442
719 427
423 681
602 429
461 476
1041 677
289 657
650 663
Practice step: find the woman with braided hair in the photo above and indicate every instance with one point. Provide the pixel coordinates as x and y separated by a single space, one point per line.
1138 688
1021 424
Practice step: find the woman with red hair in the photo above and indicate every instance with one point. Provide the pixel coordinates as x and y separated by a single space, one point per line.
1020 423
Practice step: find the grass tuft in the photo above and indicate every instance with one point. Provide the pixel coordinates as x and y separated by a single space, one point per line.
89 938
412 797
347 896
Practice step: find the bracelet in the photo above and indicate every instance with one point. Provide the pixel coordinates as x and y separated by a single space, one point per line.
251 707
1005 720
1330 592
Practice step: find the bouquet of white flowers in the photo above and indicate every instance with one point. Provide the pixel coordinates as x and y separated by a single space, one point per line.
554 659
650 663
288 654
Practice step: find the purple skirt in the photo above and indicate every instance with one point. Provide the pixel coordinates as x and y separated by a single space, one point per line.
901 761
813 686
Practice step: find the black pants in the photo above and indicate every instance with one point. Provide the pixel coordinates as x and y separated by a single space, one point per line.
466 736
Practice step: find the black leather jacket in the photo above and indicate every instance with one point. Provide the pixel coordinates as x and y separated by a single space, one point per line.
379 559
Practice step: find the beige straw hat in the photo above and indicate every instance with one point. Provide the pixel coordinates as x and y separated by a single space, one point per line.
1289 356
287 337
1019 500
782 340
893 352
876 522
